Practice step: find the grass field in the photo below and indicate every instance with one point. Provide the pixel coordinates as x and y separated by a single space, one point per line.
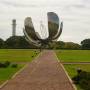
72 70
17 55
73 55
7 73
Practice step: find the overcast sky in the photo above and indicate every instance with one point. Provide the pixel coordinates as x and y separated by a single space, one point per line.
74 13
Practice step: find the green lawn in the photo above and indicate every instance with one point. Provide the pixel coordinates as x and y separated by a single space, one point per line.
17 55
7 73
73 55
71 69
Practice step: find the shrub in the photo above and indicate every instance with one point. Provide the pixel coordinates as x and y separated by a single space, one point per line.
79 70
7 63
1 65
83 79
14 65
4 64
36 53
32 56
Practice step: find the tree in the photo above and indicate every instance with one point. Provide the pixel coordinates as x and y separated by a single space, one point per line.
64 45
60 45
1 43
85 44
71 45
17 42
56 45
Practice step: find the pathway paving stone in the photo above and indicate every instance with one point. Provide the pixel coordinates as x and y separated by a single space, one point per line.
43 73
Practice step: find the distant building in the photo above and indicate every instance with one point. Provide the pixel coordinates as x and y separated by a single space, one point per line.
14 27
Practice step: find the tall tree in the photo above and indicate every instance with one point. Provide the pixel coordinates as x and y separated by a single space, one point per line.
85 44
18 42
1 43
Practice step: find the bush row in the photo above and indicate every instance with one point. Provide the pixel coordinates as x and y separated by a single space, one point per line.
7 64
82 79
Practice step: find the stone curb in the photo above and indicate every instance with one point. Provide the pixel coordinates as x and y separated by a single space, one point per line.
24 67
2 85
19 71
73 85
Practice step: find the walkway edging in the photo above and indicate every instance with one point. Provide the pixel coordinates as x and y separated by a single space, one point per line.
73 85
2 85
23 67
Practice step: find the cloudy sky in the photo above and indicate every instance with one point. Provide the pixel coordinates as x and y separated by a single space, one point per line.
74 13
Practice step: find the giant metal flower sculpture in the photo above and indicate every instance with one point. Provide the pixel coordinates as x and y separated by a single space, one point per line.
54 30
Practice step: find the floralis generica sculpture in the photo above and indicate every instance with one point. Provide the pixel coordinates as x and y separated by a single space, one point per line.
54 29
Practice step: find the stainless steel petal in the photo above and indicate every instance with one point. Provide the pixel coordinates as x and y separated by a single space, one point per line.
30 40
59 32
53 24
29 28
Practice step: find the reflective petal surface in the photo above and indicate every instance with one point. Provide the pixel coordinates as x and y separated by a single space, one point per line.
53 24
29 28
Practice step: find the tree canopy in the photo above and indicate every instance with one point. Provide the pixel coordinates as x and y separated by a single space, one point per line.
1 43
85 44
19 42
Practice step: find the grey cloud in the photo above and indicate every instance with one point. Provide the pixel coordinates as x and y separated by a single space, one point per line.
17 4
14 4
86 1
83 4
79 6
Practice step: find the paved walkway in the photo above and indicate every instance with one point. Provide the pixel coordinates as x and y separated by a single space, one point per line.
44 73
86 63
